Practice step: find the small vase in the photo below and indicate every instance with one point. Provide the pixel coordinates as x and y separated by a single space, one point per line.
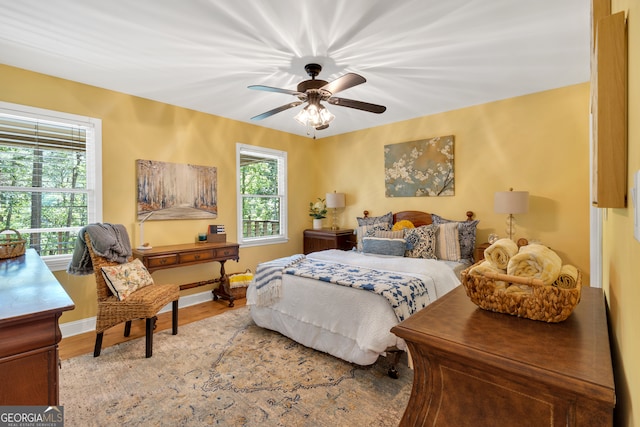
317 223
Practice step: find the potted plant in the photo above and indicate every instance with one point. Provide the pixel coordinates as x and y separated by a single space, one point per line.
317 211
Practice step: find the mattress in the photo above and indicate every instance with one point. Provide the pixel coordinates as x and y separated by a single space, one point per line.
348 323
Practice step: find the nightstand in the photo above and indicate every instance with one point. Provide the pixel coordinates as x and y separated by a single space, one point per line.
326 238
478 253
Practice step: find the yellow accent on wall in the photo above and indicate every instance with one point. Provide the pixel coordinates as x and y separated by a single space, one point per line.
537 143
621 252
135 128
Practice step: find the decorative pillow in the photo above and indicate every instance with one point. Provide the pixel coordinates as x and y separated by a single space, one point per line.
369 231
421 242
398 234
466 235
402 224
447 243
382 246
373 220
124 279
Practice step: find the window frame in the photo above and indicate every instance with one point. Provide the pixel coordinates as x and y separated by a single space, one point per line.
281 156
93 150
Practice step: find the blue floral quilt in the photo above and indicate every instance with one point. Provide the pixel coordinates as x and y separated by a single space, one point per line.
402 291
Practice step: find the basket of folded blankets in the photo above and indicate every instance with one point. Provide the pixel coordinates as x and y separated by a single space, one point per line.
238 283
528 281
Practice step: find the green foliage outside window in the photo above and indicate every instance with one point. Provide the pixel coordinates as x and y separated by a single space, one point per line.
42 192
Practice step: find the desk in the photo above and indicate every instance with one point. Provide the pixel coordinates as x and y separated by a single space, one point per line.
172 256
31 302
476 367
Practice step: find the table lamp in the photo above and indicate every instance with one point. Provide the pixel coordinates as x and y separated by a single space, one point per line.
142 246
511 202
335 201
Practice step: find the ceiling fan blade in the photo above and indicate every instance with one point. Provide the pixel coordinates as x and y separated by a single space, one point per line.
276 110
359 105
344 82
275 89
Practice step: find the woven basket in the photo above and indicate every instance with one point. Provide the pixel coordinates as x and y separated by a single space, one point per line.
11 245
238 287
537 302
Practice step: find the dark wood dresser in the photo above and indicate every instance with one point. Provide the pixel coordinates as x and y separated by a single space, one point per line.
326 238
478 368
31 302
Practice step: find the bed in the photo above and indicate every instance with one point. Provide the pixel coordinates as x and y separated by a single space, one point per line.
343 320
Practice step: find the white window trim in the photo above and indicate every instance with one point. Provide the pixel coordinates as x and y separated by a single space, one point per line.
259 241
94 164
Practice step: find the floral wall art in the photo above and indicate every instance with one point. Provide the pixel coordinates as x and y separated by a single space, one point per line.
176 191
421 168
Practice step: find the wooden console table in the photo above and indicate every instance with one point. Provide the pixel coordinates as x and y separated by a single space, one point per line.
182 255
31 302
478 368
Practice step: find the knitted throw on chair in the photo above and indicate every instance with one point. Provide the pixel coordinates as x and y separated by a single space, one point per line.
110 241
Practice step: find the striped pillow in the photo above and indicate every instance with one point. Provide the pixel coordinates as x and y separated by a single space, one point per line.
447 242
397 234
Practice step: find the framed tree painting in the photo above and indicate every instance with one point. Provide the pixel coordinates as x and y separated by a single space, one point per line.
422 168
176 191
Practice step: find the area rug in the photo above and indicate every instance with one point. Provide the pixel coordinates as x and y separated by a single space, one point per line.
227 371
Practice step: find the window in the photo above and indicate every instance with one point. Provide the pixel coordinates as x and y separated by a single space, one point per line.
262 195
50 178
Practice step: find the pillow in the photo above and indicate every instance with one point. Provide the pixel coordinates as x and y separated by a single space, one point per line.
398 234
402 224
421 242
369 231
466 235
447 243
383 246
125 279
373 220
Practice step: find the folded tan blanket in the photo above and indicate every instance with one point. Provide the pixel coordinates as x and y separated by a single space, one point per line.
568 277
485 266
537 261
500 252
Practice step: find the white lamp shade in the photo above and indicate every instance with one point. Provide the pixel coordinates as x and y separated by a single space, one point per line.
511 202
335 200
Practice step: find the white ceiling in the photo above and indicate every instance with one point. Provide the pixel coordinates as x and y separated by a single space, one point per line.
419 57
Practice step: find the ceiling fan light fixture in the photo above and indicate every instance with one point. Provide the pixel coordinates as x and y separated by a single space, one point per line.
314 116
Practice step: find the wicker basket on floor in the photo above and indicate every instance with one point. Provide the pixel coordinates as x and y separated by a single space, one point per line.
238 283
536 301
11 245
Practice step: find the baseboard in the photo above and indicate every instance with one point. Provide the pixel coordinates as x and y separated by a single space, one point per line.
81 326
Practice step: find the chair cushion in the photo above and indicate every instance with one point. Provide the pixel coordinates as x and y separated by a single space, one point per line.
124 279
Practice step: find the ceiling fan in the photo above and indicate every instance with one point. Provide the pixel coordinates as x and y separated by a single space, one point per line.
313 91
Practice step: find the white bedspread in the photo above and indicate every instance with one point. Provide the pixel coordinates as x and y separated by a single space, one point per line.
348 323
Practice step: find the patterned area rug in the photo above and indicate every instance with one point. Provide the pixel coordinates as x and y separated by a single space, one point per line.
226 371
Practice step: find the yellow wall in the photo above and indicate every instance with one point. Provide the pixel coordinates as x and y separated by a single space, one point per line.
621 280
538 143
135 128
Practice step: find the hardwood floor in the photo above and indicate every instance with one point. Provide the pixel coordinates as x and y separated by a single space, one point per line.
83 343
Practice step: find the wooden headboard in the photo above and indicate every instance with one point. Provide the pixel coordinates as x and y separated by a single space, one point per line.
417 218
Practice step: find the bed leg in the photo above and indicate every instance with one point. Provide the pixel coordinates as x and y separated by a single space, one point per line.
393 372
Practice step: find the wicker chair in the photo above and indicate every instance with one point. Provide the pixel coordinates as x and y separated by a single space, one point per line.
145 303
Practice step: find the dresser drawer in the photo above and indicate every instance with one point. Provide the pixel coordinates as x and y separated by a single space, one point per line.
162 261
226 253
196 256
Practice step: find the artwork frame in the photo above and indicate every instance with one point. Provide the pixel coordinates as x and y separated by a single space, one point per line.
421 168
168 191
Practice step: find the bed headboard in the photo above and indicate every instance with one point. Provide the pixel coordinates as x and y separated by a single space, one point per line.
417 218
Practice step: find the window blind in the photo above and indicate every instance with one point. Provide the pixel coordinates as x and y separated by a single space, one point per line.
32 133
